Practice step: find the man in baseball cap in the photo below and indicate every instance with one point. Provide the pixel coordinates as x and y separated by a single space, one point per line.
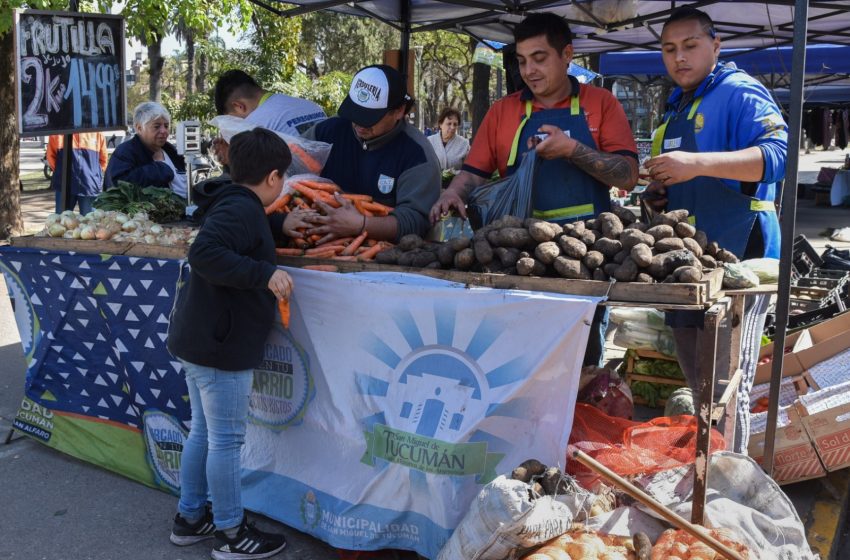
376 152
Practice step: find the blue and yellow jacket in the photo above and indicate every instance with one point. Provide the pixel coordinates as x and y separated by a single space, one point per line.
87 165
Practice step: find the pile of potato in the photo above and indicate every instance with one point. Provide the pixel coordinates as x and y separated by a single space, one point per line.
614 245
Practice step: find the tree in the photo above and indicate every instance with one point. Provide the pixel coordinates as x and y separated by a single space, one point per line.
333 42
11 222
446 65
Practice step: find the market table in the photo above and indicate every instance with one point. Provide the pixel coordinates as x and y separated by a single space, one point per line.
154 268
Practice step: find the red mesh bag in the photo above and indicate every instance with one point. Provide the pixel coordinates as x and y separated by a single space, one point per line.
633 448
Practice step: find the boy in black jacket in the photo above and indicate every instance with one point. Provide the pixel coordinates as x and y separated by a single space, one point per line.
218 329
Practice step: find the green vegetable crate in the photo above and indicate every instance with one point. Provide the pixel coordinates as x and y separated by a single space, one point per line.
652 377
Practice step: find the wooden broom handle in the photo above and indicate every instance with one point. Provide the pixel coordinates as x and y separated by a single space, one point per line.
647 500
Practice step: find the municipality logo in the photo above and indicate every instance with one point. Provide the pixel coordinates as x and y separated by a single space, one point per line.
164 440
283 386
22 307
311 511
430 395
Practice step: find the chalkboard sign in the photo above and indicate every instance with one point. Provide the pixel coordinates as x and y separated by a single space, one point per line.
70 69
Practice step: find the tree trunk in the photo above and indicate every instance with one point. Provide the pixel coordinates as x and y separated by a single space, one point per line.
201 77
11 222
190 62
155 62
480 94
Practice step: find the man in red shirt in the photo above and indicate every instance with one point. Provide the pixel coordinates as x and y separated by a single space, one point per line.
589 145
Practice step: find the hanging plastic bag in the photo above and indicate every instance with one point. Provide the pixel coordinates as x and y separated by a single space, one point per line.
308 156
511 196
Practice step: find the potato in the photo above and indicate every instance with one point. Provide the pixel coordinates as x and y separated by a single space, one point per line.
589 237
507 257
627 271
572 268
534 467
620 257
701 238
508 222
684 230
521 474
663 219
608 247
527 266
542 231
707 261
712 248
460 243
610 225
692 246
608 269
593 259
687 274
464 259
668 244
406 258
389 256
590 224
446 255
642 255
726 256
680 215
493 237
626 216
599 274
572 247
483 251
433 264
553 482
631 237
514 237
659 232
665 263
640 226
575 229
535 491
547 252
644 278
409 242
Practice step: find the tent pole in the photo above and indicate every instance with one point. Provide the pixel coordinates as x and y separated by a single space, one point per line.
405 39
789 217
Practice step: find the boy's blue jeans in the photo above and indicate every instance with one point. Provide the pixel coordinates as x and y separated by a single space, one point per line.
210 466
85 202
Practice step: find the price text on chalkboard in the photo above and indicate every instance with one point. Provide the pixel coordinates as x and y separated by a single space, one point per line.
70 72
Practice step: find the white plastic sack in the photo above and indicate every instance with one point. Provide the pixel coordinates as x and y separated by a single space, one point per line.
503 520
736 276
637 336
308 156
766 269
651 318
741 498
841 234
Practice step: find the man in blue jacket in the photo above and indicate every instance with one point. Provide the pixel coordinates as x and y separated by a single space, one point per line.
719 153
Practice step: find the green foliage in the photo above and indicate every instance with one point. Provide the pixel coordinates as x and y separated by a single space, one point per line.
327 91
7 8
275 41
335 42
161 205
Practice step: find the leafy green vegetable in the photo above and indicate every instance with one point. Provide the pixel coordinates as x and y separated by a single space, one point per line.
161 205
652 392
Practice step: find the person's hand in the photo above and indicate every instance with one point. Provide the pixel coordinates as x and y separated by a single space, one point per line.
336 223
673 167
447 202
656 196
221 150
280 284
159 155
556 145
298 218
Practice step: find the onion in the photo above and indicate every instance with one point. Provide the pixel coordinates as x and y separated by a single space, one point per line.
129 225
52 219
150 239
56 230
69 213
156 229
120 217
140 216
69 222
103 234
88 232
75 233
95 214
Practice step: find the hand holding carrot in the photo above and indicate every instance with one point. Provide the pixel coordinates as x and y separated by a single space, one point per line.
344 221
280 284
298 218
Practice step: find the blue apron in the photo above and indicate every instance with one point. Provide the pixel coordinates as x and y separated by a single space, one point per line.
562 192
726 215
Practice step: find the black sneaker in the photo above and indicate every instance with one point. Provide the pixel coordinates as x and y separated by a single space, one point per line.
248 543
184 533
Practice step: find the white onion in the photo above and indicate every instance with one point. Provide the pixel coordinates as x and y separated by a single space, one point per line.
56 230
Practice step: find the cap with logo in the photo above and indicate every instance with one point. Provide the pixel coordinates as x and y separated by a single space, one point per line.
375 91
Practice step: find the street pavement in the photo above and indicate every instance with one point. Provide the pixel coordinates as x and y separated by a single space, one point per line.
54 507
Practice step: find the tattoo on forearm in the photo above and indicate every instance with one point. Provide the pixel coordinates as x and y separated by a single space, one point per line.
611 169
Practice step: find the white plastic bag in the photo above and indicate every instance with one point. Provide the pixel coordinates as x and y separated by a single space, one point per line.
766 269
502 520
841 234
308 156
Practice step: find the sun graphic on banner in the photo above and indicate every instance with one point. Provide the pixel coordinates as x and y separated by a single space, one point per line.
431 394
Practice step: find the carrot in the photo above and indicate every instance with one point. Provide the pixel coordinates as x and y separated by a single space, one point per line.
309 161
355 197
289 251
354 245
370 253
283 307
343 241
324 254
300 202
305 191
328 199
301 243
320 186
313 238
322 267
333 249
350 258
278 204
377 208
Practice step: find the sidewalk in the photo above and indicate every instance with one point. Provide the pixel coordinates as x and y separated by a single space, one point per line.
59 508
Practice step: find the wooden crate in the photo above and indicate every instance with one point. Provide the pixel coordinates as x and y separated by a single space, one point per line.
632 376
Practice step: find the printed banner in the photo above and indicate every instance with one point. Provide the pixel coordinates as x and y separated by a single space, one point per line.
394 398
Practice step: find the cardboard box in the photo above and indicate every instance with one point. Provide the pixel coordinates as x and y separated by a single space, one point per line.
828 363
794 456
826 417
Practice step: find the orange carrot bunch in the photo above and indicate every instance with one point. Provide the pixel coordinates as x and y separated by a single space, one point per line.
305 193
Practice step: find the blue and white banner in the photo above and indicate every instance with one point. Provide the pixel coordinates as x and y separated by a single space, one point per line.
393 398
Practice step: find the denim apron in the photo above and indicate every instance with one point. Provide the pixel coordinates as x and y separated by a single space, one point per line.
562 192
726 215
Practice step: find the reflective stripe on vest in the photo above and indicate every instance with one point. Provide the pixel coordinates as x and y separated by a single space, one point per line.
575 109
564 213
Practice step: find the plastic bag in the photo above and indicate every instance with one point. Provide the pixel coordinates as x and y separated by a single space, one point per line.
449 227
609 393
507 197
836 259
766 269
638 336
651 318
736 276
841 234
308 156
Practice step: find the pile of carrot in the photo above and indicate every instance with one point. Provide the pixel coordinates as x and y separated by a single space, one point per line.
305 195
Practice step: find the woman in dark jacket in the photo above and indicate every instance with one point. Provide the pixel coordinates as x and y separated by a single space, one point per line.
148 159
